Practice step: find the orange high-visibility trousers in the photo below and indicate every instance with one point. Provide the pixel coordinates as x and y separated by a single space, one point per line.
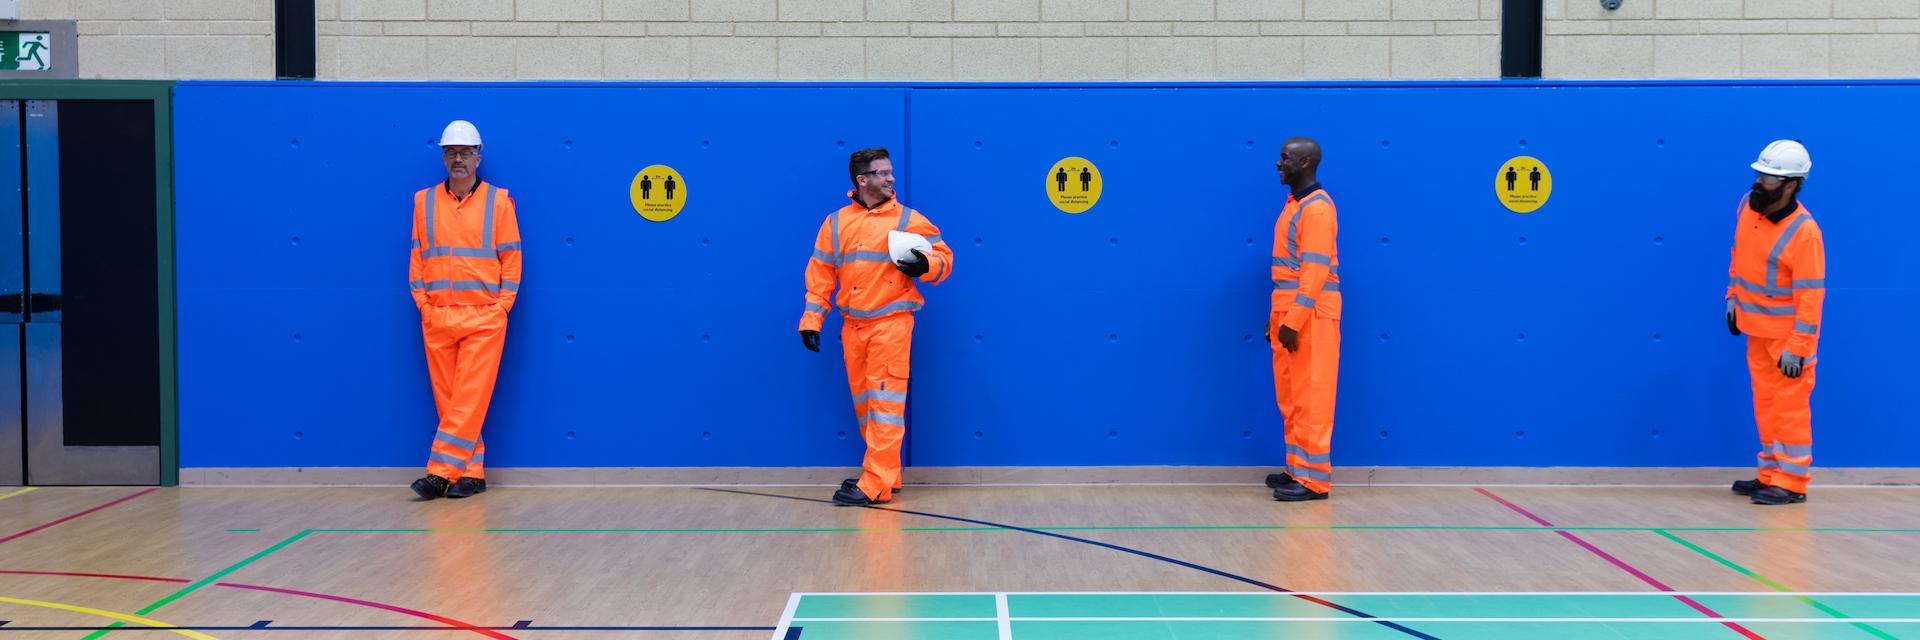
1304 382
1782 409
463 359
878 352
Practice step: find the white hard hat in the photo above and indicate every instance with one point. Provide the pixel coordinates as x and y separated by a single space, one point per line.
460 133
1784 158
900 245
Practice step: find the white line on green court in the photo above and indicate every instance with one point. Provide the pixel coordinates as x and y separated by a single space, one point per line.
1388 619
786 617
1004 617
1289 594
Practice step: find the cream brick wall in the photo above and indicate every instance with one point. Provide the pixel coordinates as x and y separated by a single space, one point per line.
991 40
1733 39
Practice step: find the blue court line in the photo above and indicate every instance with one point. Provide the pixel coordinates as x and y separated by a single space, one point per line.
1153 556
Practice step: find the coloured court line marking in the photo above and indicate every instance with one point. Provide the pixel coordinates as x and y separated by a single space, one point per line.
1151 556
147 622
18 492
1690 602
1804 598
74 516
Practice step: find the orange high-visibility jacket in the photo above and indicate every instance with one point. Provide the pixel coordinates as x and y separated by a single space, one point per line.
464 252
1778 278
1306 266
851 251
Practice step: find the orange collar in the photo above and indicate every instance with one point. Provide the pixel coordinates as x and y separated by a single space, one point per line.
885 207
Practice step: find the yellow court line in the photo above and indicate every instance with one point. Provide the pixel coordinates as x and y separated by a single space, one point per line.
109 614
15 493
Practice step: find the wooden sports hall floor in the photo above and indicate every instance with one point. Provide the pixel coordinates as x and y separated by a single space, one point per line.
1041 562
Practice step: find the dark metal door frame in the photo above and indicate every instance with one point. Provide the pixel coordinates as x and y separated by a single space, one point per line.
160 94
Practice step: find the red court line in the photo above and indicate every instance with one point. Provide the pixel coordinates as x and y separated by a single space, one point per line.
452 623
1623 566
74 516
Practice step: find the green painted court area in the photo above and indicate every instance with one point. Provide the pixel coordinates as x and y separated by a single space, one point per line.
1330 616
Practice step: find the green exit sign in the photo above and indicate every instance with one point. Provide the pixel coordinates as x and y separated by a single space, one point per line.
25 51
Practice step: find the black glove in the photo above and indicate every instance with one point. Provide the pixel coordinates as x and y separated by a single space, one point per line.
916 267
1790 364
1288 338
810 339
1733 322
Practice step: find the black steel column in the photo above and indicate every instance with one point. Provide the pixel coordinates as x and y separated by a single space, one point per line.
293 39
1521 25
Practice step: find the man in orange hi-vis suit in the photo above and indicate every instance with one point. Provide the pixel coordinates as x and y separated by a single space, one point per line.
1303 327
1776 284
464 270
877 297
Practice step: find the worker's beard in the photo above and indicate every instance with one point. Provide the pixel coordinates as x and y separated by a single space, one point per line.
1761 199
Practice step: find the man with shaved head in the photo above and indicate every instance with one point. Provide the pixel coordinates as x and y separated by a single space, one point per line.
1304 325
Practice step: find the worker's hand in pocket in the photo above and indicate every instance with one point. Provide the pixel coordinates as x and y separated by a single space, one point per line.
1733 319
1289 338
810 339
1790 364
916 267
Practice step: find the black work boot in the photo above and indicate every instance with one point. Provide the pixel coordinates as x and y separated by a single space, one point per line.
850 495
855 482
1747 487
1277 480
430 487
467 487
1297 492
1777 495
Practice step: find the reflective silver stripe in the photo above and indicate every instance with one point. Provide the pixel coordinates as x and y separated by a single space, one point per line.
933 239
416 244
507 246
447 460
886 418
486 228
417 285
1302 300
453 440
824 257
459 252
1311 458
1293 226
1317 258
903 305
1310 473
1812 283
867 256
1781 449
1795 469
479 458
814 308
857 399
1289 263
510 285
887 396
1294 285
1760 288
906 216
432 196
1767 462
1809 329
833 221
1773 257
1764 310
464 285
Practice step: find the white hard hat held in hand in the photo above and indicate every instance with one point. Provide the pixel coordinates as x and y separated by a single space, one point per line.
460 133
900 245
1784 158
